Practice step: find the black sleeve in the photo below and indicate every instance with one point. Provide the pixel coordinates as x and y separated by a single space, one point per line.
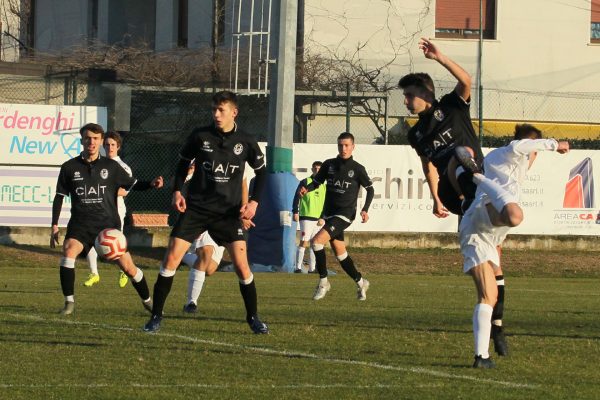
123 179
256 158
296 201
189 149
141 186
321 176
56 207
63 184
365 181
181 172
453 100
260 180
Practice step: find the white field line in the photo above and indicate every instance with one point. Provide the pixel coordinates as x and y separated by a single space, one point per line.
514 289
291 354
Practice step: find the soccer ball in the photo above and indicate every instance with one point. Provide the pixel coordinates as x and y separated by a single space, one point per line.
110 244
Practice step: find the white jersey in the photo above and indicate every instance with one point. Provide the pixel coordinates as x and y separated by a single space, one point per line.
508 165
120 199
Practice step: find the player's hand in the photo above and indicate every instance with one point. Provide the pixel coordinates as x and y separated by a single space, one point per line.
178 202
563 147
54 233
365 216
439 210
302 191
247 224
157 182
320 222
429 49
296 217
248 210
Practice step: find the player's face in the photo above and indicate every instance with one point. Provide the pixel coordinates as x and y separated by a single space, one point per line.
111 147
91 143
224 116
315 169
345 148
415 100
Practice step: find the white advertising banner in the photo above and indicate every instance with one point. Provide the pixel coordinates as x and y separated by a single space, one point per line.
558 197
44 135
402 200
26 196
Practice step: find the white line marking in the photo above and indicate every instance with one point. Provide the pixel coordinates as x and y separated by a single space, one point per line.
514 289
285 353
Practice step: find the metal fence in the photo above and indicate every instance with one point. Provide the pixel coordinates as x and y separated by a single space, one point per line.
160 119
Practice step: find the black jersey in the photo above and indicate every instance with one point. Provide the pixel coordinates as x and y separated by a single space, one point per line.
93 188
220 160
344 178
440 129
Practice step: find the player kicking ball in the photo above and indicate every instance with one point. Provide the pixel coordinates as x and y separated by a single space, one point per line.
493 212
92 183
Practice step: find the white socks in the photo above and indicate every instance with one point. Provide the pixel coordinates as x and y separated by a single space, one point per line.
312 261
195 285
482 327
92 259
299 256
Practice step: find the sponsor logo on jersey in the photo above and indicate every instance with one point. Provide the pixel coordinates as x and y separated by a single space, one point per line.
206 146
77 176
104 173
331 170
238 148
439 115
351 173
240 232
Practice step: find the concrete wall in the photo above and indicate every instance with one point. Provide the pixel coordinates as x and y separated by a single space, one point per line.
159 237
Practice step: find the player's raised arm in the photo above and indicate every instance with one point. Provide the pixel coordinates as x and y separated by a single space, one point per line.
432 52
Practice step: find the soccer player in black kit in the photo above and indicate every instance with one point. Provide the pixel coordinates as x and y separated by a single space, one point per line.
344 177
92 183
443 126
214 202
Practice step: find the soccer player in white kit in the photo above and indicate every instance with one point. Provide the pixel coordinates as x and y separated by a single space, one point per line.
487 221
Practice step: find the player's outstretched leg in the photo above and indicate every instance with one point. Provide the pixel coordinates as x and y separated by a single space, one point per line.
93 277
361 283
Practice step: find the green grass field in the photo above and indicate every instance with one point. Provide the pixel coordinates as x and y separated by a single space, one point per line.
411 339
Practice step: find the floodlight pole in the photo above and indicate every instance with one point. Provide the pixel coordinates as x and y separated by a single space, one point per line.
282 89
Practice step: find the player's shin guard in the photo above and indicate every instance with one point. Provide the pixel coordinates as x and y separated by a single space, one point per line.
162 287
67 276
499 307
482 326
320 260
141 286
348 266
248 291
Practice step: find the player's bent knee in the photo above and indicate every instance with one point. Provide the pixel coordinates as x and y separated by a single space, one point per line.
318 246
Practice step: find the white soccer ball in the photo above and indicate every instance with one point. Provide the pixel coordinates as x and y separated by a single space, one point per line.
111 244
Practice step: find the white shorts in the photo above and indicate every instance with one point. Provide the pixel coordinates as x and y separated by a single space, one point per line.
479 238
205 240
308 229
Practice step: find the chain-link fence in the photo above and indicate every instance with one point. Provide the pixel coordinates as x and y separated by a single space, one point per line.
160 119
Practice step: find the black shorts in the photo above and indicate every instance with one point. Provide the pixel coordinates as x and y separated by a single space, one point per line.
222 228
86 234
336 226
450 199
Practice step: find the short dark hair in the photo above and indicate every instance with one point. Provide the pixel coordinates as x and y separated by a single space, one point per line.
316 164
346 135
225 97
418 79
114 135
527 131
92 128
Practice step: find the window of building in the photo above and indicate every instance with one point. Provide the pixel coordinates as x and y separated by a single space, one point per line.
460 19
595 22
